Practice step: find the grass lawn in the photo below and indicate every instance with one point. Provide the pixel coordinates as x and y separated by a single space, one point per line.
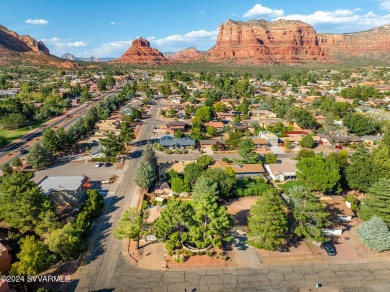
292 183
12 135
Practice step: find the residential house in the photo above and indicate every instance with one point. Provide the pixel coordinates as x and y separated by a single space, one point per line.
229 116
372 139
171 142
324 140
65 189
271 138
5 259
207 144
260 142
263 113
174 99
342 139
177 126
282 172
241 170
216 125
340 214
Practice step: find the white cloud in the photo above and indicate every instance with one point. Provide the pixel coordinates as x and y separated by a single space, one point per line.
202 39
344 19
115 23
79 44
260 10
36 21
111 49
385 5
202 12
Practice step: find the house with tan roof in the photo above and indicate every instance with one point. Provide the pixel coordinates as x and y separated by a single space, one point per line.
241 170
282 171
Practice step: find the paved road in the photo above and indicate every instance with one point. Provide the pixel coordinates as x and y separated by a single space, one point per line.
28 140
108 270
104 249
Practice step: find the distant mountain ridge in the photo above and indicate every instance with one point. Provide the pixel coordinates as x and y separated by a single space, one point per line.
71 57
185 55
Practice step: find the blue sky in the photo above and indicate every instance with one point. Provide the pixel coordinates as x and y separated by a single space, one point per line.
106 28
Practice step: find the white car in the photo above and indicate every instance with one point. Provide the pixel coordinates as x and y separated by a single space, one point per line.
98 164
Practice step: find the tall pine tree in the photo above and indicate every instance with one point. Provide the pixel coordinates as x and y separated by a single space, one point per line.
267 223
377 202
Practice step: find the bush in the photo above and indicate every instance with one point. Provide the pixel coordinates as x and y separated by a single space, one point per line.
199 253
375 234
209 253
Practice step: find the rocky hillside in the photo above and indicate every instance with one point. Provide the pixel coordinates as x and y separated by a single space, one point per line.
16 49
259 41
370 43
140 52
185 55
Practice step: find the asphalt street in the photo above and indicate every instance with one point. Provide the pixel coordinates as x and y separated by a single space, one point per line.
107 269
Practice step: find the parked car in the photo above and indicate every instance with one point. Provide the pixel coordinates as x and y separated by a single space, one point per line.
106 164
98 164
329 248
22 151
339 147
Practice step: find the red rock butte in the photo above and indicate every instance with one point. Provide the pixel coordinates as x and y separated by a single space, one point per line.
141 52
292 41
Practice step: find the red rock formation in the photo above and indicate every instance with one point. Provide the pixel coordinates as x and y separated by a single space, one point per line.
140 52
259 41
366 43
186 55
26 50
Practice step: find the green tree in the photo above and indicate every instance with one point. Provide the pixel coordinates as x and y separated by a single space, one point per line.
178 134
246 151
360 125
51 141
14 121
320 174
3 141
309 214
34 257
307 142
375 234
6 169
16 162
204 161
129 225
179 185
192 172
211 131
210 223
270 158
225 180
377 202
40 157
205 114
112 144
360 174
172 225
21 201
126 134
48 222
204 185
144 175
267 223
101 85
305 153
66 242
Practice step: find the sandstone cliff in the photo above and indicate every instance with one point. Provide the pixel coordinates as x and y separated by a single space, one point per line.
186 55
366 43
15 49
140 52
259 41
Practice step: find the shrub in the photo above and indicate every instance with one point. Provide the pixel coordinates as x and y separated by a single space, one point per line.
209 253
199 253
375 234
